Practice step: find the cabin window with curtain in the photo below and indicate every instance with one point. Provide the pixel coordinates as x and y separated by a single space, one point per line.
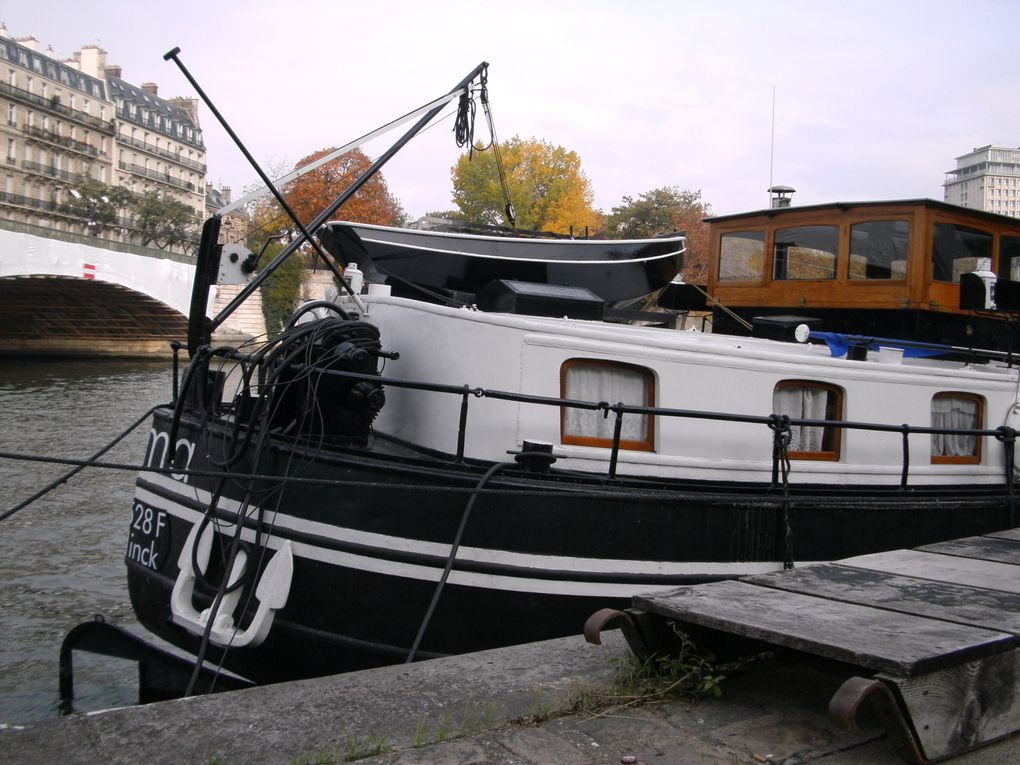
878 249
805 252
598 380
742 256
808 400
965 411
958 250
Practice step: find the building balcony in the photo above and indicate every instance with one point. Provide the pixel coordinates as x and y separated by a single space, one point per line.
19 200
53 105
173 157
154 175
48 170
56 139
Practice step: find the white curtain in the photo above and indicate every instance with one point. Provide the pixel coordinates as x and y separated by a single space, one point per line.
806 403
949 412
605 383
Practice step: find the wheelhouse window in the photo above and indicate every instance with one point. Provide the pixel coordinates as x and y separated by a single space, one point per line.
878 249
957 250
1009 257
598 380
742 256
805 252
808 400
962 411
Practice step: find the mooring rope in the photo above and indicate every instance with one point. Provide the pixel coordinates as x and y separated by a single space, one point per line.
79 466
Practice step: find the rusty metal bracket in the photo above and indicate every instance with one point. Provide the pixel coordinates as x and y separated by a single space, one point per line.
611 618
851 696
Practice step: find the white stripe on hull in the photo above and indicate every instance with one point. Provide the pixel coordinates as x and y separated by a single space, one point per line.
523 561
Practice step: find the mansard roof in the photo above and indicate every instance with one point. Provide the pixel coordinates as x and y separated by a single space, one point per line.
150 108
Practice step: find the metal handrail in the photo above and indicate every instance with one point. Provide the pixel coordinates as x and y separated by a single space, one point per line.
1004 434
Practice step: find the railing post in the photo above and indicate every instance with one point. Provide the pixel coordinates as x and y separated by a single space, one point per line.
1008 438
617 430
906 456
462 430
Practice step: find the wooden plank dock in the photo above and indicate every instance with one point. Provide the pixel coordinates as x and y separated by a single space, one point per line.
933 634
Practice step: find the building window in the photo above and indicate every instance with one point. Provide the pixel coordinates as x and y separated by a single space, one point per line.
808 400
964 411
805 252
742 256
614 382
957 250
878 249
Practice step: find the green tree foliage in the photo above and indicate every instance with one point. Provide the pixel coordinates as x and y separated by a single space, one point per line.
163 220
97 204
280 292
547 188
665 210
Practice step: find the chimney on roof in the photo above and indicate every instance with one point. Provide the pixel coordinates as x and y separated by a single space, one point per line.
29 42
112 71
151 88
225 193
780 196
93 60
190 105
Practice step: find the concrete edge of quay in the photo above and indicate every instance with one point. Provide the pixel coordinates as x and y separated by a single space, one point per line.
331 718
508 706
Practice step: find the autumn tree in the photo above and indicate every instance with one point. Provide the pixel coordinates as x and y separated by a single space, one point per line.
311 193
665 210
308 195
546 185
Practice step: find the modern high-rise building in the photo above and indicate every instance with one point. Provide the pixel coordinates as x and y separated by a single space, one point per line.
987 178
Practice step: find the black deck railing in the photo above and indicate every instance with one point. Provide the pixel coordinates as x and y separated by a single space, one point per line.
779 424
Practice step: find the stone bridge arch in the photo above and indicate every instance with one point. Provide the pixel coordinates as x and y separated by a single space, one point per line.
66 296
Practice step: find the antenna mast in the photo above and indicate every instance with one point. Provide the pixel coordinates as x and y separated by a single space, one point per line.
772 143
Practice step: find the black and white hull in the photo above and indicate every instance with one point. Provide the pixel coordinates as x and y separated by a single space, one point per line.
401 479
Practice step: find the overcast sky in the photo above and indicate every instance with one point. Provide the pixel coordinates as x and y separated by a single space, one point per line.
873 100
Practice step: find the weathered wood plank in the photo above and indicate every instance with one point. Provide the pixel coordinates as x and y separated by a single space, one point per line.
868 637
965 706
1005 534
949 601
992 575
984 548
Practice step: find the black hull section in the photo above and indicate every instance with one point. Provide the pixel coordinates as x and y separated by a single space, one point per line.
369 548
615 271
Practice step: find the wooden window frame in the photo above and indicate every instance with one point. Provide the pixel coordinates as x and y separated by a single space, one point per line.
963 459
645 445
836 434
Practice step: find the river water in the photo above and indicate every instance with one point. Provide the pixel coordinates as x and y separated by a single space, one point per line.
62 557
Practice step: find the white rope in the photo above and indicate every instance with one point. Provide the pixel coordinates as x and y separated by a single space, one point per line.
262 191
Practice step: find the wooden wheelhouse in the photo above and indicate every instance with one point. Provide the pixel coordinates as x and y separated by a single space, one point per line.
889 269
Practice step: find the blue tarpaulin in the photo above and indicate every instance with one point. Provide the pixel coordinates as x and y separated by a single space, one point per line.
839 344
